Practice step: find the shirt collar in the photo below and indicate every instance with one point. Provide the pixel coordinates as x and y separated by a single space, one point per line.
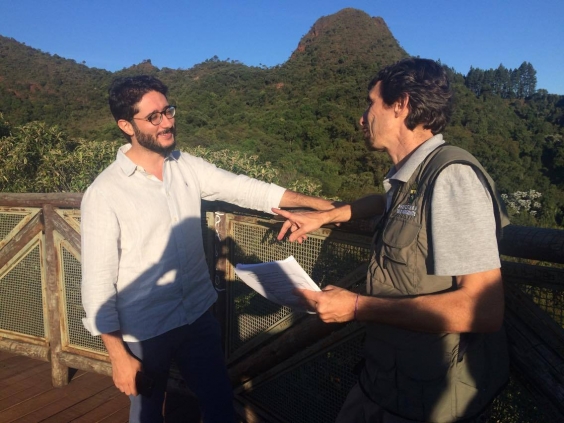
126 164
416 158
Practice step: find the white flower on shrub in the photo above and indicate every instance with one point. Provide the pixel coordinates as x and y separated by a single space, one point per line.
522 201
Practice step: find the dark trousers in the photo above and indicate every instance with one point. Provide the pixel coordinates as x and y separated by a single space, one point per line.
358 408
197 350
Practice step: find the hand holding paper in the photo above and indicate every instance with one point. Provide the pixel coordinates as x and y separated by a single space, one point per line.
277 280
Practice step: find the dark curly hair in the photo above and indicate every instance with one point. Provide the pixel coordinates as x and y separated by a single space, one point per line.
126 92
426 84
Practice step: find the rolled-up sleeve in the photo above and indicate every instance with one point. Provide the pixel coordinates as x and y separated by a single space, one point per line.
100 234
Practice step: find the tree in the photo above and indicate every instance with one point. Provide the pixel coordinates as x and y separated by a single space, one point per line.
39 158
507 83
528 79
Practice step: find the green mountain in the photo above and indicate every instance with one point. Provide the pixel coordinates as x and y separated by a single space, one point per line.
39 86
302 116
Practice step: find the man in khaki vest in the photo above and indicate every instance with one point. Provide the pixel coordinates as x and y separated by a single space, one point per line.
435 348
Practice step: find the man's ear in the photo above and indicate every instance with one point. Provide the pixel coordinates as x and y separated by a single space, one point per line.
402 105
126 127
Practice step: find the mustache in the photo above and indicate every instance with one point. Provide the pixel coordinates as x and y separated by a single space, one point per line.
171 130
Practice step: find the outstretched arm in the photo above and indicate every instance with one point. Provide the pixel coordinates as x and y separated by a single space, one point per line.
295 199
301 223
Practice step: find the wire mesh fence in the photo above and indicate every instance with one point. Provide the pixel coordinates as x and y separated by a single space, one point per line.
308 387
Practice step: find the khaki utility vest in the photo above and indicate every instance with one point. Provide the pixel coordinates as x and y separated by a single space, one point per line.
421 376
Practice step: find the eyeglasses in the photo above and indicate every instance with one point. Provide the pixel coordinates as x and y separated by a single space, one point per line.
157 117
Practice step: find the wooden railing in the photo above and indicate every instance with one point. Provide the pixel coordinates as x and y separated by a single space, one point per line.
275 357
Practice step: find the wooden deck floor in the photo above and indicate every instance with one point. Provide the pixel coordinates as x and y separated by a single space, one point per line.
26 395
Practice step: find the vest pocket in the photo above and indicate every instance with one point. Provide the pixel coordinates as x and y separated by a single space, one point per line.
471 378
400 233
412 377
423 383
398 252
398 237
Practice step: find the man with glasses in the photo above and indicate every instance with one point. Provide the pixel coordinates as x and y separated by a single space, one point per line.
146 288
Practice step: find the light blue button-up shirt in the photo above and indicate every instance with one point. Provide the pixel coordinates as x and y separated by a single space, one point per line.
144 270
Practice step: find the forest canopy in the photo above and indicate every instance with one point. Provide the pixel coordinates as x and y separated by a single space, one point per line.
299 118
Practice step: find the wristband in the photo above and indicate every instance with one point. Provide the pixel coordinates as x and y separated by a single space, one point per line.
356 306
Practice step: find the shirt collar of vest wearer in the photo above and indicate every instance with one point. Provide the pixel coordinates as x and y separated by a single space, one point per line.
416 158
128 167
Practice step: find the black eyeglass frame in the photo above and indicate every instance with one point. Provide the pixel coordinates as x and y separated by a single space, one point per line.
166 112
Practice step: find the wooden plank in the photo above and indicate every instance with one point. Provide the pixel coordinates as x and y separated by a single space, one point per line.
4 355
37 352
222 243
541 326
58 199
66 230
533 243
25 380
30 395
51 403
10 361
114 408
120 416
60 372
539 276
86 363
17 397
36 397
87 405
21 239
17 365
536 347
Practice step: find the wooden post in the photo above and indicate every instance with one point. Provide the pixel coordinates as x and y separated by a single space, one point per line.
221 250
59 371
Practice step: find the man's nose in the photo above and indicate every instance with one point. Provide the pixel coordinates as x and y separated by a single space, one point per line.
167 122
362 119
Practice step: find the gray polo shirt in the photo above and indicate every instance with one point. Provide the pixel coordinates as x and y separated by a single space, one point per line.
462 219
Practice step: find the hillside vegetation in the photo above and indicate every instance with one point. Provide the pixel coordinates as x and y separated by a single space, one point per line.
300 117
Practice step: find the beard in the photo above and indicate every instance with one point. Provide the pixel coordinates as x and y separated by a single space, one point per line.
150 141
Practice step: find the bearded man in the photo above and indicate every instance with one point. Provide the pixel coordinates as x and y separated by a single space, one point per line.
146 288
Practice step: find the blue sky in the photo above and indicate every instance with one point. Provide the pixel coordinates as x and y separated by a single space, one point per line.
178 34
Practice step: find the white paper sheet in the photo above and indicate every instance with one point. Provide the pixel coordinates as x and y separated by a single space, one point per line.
276 281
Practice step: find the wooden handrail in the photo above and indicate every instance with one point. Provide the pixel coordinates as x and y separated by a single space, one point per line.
57 199
536 341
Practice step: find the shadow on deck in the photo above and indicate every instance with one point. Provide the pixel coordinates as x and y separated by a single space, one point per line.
27 395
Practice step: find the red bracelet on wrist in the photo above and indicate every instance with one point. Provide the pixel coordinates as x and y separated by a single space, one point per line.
356 305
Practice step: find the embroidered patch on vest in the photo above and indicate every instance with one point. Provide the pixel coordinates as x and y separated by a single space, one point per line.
406 209
413 192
